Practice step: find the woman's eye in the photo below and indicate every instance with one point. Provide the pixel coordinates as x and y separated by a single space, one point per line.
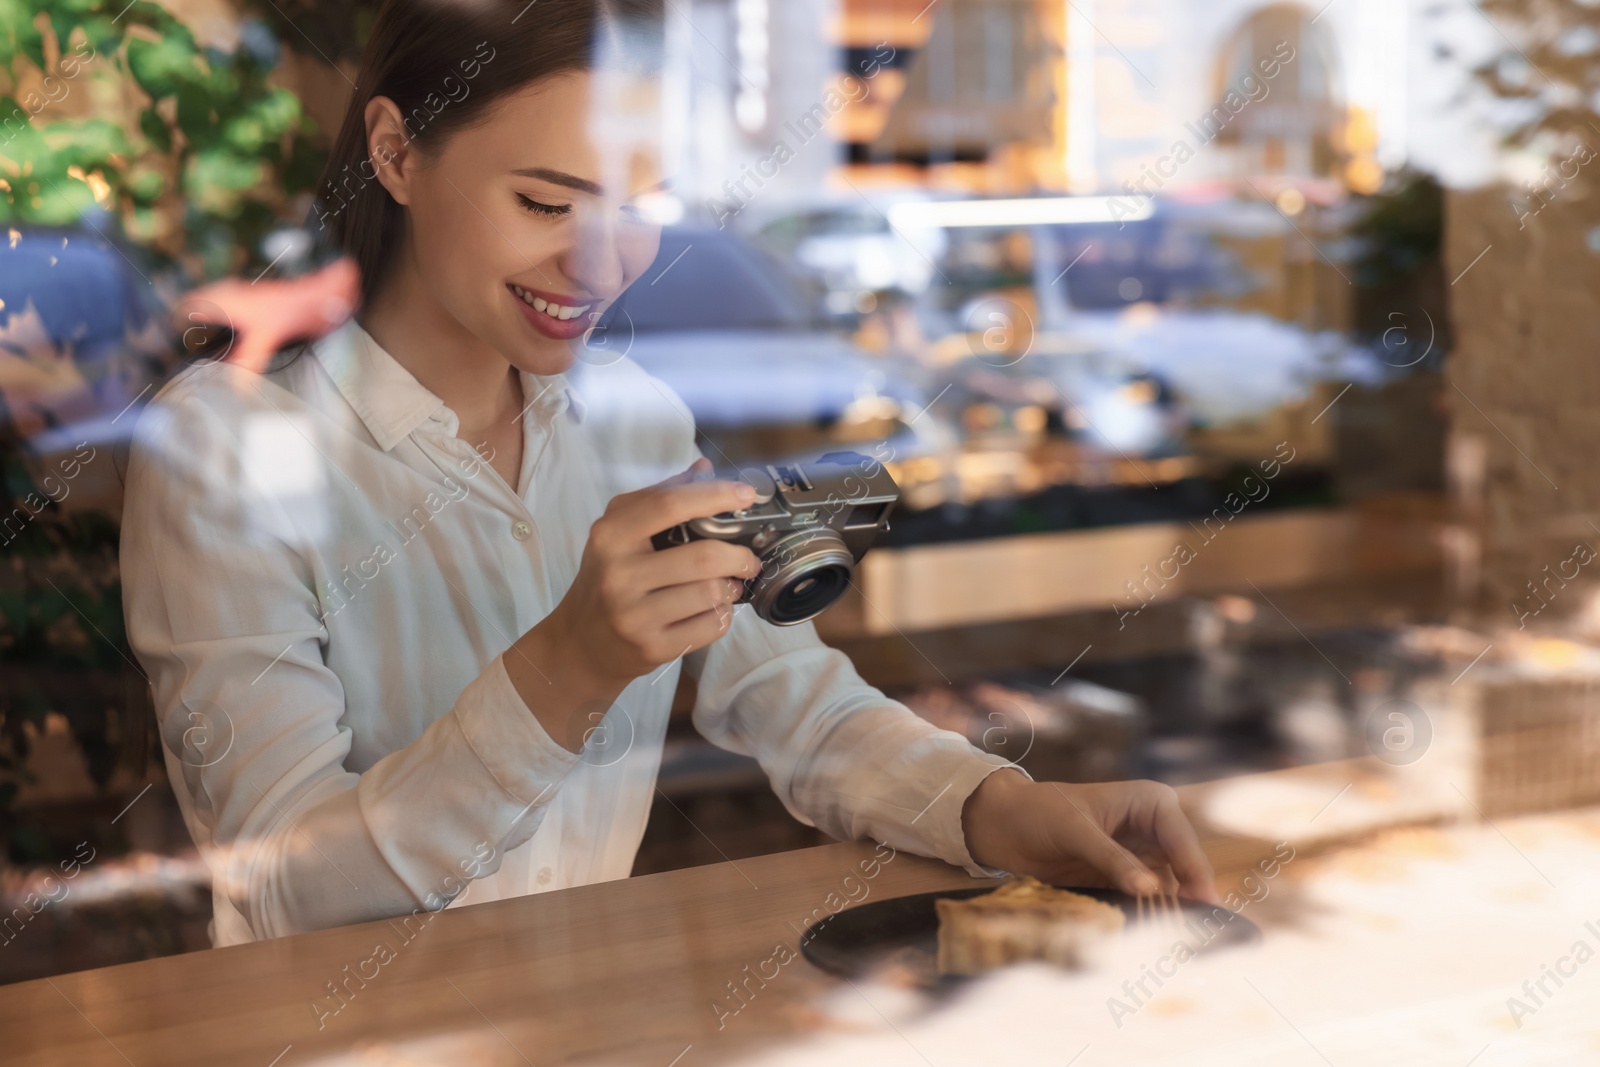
541 208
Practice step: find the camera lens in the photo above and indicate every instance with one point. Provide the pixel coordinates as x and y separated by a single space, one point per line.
801 575
808 595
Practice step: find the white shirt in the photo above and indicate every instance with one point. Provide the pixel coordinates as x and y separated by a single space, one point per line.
320 579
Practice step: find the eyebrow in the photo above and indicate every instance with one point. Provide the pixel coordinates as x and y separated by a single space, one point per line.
572 181
560 177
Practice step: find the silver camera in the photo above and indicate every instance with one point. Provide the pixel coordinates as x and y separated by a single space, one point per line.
809 525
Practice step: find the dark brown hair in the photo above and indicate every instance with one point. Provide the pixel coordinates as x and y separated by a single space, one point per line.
444 63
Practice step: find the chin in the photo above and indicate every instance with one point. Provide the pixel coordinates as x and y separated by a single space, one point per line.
545 357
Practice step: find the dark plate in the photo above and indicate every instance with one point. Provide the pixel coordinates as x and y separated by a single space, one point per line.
903 932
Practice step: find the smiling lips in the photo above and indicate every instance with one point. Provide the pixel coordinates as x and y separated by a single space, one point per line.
551 314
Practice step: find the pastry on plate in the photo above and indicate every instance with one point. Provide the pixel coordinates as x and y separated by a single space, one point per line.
1024 919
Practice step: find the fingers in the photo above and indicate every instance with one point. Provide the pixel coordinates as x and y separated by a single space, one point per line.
1121 867
694 562
1178 840
671 622
633 518
1095 845
701 629
694 472
1156 864
667 607
1130 810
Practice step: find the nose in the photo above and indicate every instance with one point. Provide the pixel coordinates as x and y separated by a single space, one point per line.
594 260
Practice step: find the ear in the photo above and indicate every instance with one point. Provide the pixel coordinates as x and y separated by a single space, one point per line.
389 147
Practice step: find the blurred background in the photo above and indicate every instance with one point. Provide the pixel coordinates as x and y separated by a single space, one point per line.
1235 361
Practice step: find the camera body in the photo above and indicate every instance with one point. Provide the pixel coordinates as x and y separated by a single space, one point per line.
809 525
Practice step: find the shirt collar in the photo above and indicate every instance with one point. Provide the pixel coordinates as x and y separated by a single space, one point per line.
553 394
393 404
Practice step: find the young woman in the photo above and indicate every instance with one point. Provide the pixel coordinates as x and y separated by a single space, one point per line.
396 596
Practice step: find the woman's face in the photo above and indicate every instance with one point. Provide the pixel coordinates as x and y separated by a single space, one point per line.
526 227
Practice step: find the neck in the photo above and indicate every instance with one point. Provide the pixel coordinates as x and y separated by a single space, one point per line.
474 380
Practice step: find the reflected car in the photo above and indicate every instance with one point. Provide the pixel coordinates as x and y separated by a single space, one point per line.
846 246
735 334
80 340
1137 325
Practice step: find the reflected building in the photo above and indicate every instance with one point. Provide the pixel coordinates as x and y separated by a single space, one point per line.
1277 93
1049 95
1291 123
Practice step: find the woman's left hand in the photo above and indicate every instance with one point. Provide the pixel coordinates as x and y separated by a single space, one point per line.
1131 836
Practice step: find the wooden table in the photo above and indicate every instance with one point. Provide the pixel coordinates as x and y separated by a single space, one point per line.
637 971
631 971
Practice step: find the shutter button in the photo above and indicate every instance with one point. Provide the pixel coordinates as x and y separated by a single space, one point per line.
761 482
521 530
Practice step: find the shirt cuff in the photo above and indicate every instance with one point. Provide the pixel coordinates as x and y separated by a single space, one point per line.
508 739
950 836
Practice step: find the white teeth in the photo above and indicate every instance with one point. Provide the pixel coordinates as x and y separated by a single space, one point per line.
555 311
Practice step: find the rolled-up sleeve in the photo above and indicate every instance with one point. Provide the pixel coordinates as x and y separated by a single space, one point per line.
840 755
222 613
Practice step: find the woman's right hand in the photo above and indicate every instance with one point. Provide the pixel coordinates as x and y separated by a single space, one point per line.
632 608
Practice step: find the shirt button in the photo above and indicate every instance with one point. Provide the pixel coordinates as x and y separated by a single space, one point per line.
545 874
521 530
